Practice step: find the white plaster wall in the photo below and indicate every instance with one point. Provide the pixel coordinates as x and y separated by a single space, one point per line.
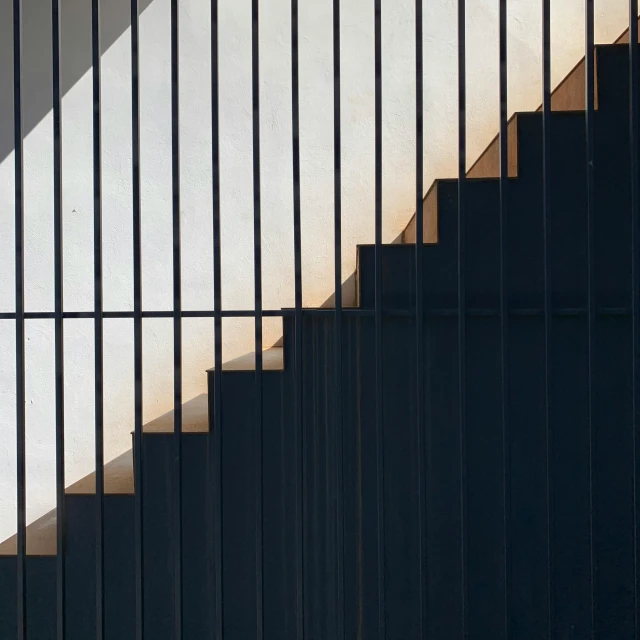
316 77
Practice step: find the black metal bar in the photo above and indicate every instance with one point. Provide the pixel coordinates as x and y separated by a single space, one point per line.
257 274
591 316
635 285
297 249
546 218
59 329
98 319
420 359
137 314
21 537
216 442
462 314
337 249
177 318
378 320
504 318
325 313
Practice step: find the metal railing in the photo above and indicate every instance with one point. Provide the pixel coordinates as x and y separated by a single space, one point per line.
259 312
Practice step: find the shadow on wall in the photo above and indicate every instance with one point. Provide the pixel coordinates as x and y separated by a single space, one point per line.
37 74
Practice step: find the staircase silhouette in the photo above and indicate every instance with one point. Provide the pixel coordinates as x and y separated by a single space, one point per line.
581 503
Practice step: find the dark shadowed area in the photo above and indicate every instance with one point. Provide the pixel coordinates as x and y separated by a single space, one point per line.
37 70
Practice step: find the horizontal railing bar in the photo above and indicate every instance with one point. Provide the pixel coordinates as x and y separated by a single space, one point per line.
286 313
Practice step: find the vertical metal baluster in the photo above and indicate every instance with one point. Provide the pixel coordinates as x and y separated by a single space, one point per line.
591 321
137 314
20 336
337 239
635 284
462 307
177 317
420 388
216 439
378 320
59 334
546 218
504 318
297 241
257 268
99 316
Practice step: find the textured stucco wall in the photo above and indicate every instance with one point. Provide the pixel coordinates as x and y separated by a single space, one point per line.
440 83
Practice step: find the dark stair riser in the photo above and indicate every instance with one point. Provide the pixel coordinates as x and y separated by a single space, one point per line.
240 449
40 597
119 566
81 580
612 72
160 540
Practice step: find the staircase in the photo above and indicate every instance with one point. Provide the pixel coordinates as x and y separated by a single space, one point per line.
470 535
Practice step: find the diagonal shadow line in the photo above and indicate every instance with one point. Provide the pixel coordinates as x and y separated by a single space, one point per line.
37 73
